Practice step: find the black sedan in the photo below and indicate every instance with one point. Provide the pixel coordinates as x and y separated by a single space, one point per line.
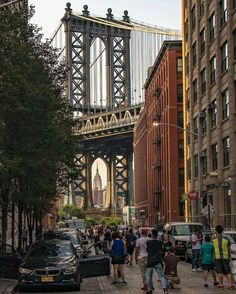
50 263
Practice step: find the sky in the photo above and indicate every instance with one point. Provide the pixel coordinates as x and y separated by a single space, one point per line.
163 13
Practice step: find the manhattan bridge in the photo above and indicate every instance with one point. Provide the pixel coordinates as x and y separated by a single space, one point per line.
108 60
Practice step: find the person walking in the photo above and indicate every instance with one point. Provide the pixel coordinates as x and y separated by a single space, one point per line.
107 240
170 271
196 245
141 256
155 262
207 255
222 258
167 244
99 238
117 258
24 237
130 243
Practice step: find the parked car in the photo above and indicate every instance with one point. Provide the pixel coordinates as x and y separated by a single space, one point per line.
231 235
54 262
180 234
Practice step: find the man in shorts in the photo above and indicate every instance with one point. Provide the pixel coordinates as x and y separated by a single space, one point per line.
170 271
208 264
222 258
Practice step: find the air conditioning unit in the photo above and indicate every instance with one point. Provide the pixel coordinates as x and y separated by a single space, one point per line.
210 106
202 114
156 165
202 154
157 92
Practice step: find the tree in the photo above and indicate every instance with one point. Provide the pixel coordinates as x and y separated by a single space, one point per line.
111 221
36 141
72 211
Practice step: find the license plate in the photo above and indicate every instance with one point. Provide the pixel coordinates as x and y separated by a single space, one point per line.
46 279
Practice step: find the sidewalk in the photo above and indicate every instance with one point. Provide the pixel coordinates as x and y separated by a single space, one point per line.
7 286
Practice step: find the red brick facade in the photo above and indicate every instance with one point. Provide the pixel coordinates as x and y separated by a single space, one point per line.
158 150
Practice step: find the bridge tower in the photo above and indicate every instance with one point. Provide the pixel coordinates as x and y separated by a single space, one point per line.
115 148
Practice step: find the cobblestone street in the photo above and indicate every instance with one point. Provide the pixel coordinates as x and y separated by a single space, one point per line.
191 283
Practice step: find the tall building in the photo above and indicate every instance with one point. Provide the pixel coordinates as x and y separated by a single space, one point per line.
209 54
158 143
97 189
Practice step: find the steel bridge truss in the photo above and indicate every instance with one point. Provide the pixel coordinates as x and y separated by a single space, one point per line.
80 35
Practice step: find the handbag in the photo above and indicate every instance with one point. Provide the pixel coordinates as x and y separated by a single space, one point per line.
125 253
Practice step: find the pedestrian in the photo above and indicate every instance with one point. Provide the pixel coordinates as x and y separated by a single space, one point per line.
155 262
170 271
117 258
107 240
98 242
222 258
130 243
167 244
141 256
196 245
24 237
207 255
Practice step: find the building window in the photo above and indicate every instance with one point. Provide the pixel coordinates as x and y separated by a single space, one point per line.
204 162
181 149
179 65
203 121
195 91
234 4
214 154
223 12
195 127
181 177
213 69
195 166
225 104
203 81
213 113
226 148
180 93
212 22
234 40
187 64
202 7
193 18
180 119
194 53
186 30
224 57
202 41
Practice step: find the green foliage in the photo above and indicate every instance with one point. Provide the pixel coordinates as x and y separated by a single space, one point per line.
90 222
110 221
71 211
36 140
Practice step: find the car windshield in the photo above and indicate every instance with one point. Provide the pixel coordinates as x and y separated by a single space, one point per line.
50 250
72 238
186 230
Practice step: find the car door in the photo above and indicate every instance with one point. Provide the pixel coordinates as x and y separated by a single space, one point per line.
94 266
9 262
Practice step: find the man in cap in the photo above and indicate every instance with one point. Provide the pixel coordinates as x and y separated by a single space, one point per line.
141 255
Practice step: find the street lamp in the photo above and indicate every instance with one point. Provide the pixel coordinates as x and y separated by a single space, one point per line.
156 123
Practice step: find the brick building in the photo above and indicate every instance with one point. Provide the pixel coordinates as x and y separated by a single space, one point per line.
158 150
209 38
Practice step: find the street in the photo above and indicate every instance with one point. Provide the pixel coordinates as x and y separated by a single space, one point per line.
191 283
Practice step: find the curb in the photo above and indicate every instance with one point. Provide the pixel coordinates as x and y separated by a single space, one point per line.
10 288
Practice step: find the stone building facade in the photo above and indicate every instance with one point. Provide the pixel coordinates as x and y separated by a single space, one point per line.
209 54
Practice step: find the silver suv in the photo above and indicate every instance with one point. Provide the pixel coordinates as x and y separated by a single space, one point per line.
180 234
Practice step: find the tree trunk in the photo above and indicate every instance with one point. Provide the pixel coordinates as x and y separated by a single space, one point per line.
13 225
4 218
19 227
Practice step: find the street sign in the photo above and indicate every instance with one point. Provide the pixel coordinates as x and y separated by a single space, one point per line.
208 209
185 197
193 195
